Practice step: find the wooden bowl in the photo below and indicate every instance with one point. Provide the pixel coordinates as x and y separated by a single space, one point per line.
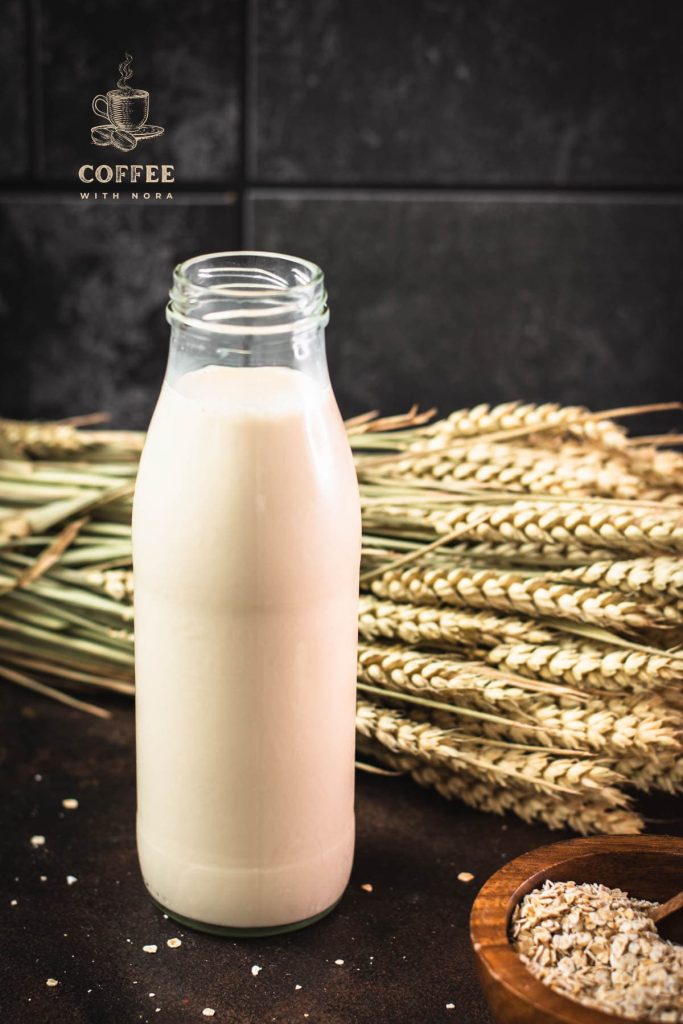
647 867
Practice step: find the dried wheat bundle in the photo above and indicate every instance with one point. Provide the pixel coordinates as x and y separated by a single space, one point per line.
521 625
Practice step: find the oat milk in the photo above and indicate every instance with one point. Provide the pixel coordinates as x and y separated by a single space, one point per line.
246 536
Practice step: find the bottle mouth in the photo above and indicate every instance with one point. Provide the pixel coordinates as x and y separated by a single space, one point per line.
248 292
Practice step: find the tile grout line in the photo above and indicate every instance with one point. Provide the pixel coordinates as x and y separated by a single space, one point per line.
465 193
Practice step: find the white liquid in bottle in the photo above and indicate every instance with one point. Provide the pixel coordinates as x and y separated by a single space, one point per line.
246 535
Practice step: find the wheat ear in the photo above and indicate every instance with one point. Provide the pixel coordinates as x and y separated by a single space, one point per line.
590 666
570 471
522 647
575 525
512 591
606 726
549 528
527 769
659 577
585 814
487 419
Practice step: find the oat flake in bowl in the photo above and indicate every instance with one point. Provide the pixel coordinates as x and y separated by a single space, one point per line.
600 947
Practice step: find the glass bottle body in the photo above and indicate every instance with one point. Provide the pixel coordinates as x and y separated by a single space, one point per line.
246 544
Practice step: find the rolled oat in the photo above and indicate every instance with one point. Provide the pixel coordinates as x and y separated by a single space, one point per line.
600 947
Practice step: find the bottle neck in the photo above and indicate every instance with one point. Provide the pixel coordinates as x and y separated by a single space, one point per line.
247 309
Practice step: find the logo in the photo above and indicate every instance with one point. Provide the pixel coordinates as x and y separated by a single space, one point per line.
125 111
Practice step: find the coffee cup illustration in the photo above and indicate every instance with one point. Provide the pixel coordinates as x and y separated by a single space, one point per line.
125 111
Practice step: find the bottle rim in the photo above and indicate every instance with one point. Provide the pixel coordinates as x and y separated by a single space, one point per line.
248 291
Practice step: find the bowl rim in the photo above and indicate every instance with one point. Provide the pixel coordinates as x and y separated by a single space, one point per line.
489 919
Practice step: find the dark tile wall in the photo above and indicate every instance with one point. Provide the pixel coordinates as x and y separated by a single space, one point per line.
494 189
83 287
14 151
459 300
497 92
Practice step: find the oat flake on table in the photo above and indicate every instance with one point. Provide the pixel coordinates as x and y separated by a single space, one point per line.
600 947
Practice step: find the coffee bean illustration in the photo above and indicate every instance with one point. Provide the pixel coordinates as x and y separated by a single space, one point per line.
107 135
101 135
123 140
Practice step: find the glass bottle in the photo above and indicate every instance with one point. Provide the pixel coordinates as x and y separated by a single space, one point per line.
246 550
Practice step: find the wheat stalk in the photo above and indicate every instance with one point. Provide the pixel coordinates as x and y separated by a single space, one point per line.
547 556
116 583
39 440
608 726
568 471
486 419
648 772
421 671
580 526
659 578
433 625
656 467
512 591
521 646
588 665
555 528
525 769
585 814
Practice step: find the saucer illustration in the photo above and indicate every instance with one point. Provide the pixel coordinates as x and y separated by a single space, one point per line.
125 111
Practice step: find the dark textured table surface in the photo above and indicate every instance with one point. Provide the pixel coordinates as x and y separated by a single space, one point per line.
404 945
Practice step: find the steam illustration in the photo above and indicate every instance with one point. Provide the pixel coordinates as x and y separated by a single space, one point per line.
125 111
126 73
